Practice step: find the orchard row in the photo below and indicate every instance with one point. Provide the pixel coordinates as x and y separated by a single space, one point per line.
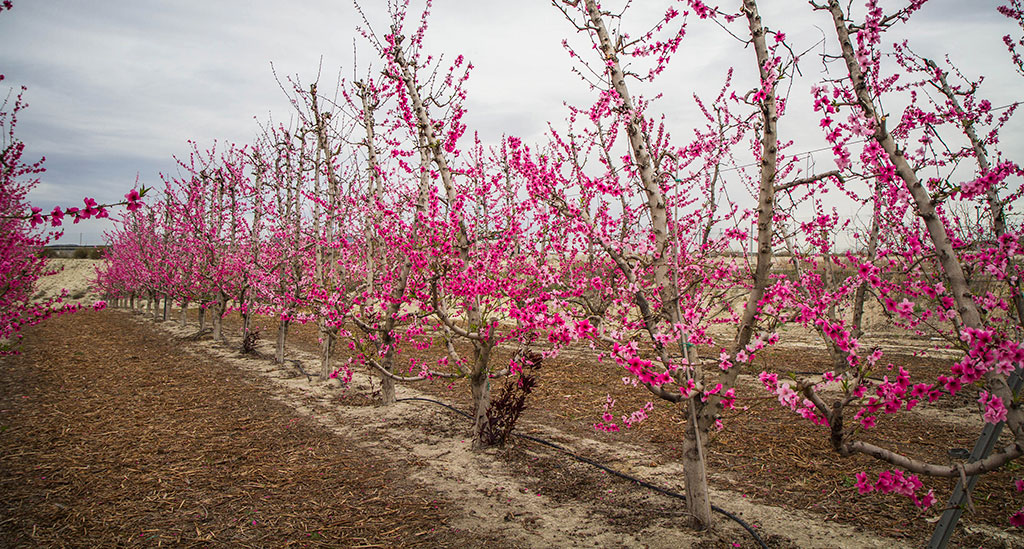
378 217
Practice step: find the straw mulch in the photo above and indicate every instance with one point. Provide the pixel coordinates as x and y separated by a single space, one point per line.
112 435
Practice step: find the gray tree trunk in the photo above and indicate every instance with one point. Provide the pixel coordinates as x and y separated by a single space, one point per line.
327 336
282 335
218 317
698 500
480 385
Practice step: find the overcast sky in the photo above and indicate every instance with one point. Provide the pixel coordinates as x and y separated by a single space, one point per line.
116 88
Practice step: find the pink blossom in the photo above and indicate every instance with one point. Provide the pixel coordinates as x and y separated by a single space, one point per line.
905 309
1017 519
36 218
863 485
995 409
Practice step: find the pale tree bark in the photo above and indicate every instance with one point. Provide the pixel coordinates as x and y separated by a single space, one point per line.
765 212
220 305
482 342
245 298
282 336
246 315
288 193
952 271
840 357
326 259
995 203
860 297
698 501
385 332
183 319
374 194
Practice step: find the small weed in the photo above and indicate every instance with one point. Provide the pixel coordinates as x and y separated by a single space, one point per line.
249 342
505 410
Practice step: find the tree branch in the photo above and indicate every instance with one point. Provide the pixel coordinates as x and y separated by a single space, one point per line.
807 180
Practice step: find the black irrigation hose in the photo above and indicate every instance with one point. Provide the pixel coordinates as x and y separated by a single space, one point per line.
606 469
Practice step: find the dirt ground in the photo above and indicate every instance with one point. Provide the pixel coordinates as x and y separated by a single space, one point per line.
113 435
153 448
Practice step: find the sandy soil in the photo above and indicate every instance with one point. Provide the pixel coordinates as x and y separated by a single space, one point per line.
73 275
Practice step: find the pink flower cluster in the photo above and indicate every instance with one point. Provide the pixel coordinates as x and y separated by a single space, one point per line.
895 482
985 353
606 425
993 177
789 398
133 201
995 409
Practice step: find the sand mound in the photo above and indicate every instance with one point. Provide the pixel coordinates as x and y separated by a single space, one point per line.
74 275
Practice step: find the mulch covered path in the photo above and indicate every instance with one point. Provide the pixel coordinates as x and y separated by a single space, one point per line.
112 435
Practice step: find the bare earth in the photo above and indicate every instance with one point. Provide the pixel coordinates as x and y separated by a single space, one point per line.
71 274
118 431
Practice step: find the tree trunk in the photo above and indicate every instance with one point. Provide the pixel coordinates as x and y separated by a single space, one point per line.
217 327
243 311
952 269
246 324
387 390
387 384
696 480
218 316
327 336
184 314
480 384
698 500
202 318
282 335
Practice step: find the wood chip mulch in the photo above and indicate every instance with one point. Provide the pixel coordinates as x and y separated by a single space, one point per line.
765 453
112 435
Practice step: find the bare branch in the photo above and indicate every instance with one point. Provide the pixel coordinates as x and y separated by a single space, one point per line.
808 180
430 373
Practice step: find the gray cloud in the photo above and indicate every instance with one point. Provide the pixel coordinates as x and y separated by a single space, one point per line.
118 87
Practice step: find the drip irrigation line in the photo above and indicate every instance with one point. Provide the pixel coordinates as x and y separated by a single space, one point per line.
298 364
605 468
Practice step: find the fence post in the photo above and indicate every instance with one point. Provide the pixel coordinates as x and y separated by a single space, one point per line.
955 508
